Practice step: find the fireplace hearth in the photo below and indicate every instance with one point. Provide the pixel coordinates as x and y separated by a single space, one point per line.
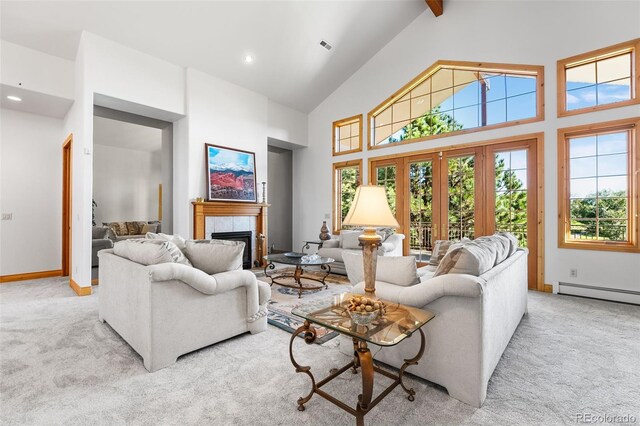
245 237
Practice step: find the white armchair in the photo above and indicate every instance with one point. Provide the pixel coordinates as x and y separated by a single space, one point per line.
167 310
335 247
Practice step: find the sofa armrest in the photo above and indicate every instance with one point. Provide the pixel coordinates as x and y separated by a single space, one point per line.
199 280
332 243
101 243
420 295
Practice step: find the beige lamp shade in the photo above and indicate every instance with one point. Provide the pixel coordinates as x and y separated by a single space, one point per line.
370 208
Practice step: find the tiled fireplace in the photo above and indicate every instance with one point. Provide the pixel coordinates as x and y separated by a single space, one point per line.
222 217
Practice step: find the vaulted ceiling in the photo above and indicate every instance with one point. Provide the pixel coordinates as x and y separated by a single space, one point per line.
283 37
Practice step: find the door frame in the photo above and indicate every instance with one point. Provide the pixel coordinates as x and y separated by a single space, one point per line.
535 141
67 198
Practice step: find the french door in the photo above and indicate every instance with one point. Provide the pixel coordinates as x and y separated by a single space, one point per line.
463 193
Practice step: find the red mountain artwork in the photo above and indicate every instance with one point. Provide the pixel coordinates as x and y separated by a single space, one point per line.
231 175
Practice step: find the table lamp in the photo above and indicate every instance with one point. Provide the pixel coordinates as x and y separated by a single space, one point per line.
370 209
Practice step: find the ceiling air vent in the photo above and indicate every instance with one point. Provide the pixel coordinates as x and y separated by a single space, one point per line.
326 45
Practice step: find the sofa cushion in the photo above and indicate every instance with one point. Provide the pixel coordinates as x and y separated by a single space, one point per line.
99 232
349 239
500 243
215 256
397 270
118 228
150 252
149 227
473 258
336 253
175 239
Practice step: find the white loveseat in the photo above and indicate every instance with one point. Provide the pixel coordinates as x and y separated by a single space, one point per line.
167 310
475 319
347 241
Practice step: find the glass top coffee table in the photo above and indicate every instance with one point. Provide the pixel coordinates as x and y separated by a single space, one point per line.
398 323
299 260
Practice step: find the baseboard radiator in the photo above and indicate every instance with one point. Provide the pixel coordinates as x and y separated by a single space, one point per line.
605 293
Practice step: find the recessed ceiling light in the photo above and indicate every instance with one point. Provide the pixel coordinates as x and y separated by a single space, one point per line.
14 98
248 59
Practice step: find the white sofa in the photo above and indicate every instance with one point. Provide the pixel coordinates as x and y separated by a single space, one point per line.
333 248
167 310
475 319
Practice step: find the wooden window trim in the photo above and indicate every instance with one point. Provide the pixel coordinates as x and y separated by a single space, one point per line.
348 120
536 70
633 176
633 46
335 204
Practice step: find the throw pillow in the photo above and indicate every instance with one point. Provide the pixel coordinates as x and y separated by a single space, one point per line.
150 252
349 239
217 256
149 227
397 270
473 258
513 241
132 228
176 239
440 248
118 228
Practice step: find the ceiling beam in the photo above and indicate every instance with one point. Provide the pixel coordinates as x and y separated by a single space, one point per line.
436 6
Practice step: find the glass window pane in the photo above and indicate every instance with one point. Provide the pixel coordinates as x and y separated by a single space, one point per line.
355 129
584 75
401 111
583 230
612 165
382 133
503 160
519 159
420 106
466 117
466 95
615 186
496 112
345 145
496 87
612 230
582 147
464 77
345 131
399 126
582 167
423 89
612 143
443 99
612 208
443 79
582 208
615 91
519 179
521 107
583 188
519 84
614 68
581 98
383 118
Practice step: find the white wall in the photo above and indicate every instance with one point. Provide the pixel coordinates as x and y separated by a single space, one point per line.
36 71
31 190
125 184
536 33
287 124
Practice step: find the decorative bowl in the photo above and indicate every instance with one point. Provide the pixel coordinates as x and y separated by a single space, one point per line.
363 318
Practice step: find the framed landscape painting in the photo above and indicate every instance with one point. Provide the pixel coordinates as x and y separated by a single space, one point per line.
231 174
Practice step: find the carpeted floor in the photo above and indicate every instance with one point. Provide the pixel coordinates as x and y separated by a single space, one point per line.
60 365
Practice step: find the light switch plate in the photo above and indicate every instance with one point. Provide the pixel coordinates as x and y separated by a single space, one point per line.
7 216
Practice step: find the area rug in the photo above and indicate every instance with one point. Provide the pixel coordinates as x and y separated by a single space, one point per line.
285 299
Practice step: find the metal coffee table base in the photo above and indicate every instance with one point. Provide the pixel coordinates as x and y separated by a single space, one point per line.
362 360
298 275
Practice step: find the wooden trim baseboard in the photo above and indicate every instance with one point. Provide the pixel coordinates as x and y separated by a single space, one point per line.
30 276
80 291
548 288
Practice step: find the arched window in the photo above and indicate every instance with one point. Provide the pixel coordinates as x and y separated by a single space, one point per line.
457 97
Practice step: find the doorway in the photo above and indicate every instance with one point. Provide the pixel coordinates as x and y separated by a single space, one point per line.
280 191
466 193
67 155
